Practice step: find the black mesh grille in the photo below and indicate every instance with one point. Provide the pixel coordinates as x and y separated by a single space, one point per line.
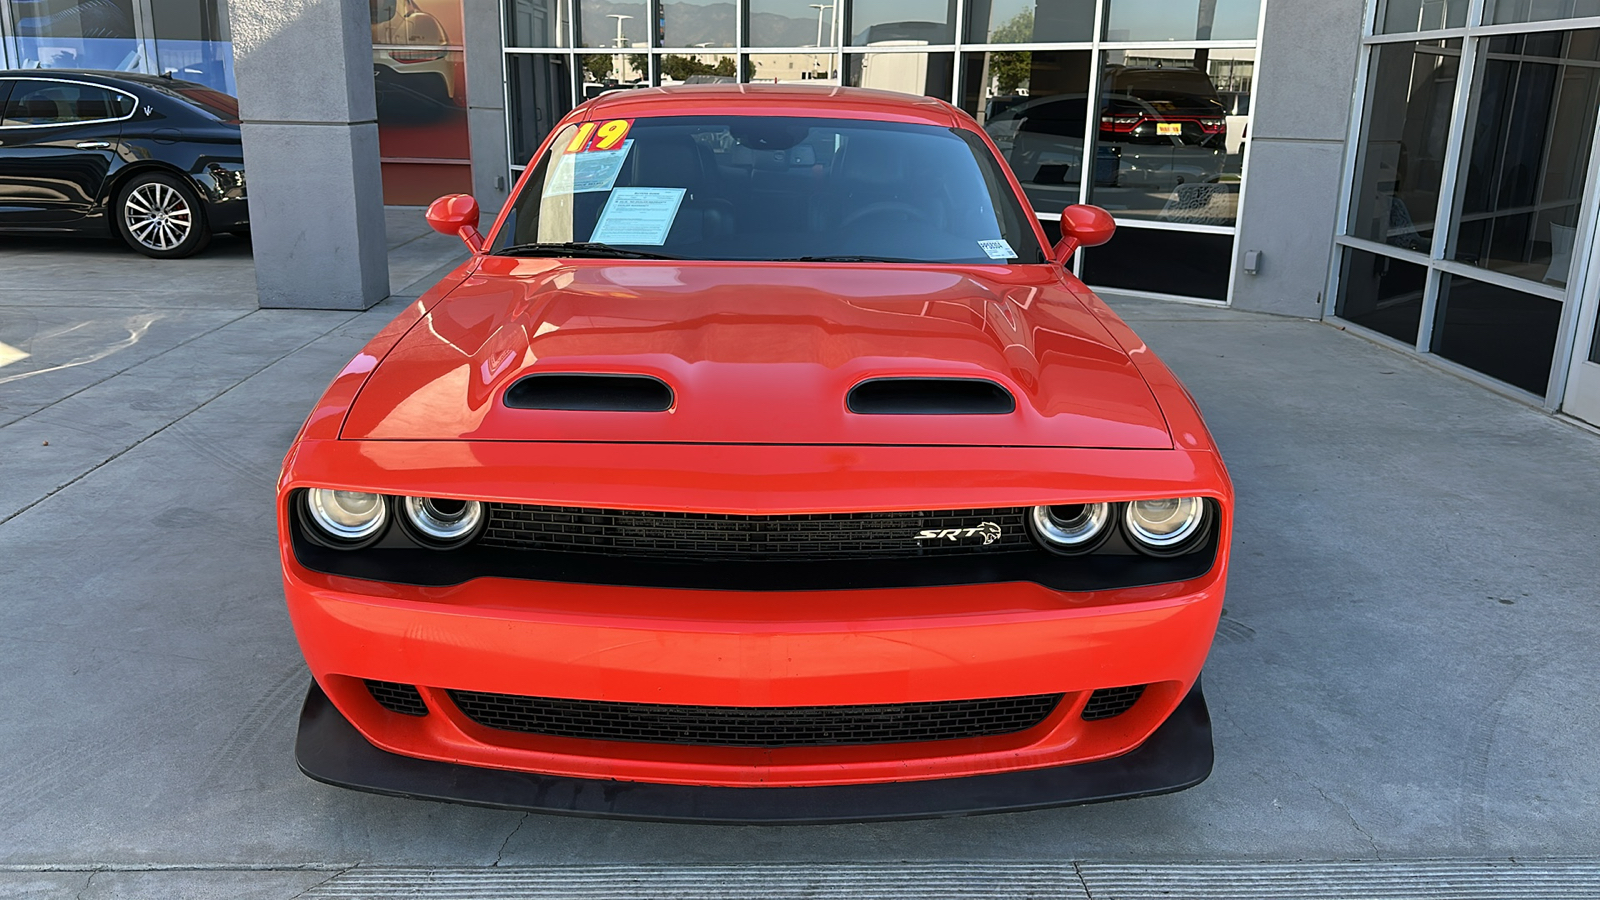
396 697
1108 702
738 726
712 536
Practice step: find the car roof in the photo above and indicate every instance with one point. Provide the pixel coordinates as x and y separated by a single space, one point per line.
96 75
771 99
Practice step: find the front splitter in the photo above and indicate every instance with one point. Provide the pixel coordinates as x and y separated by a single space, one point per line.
1177 756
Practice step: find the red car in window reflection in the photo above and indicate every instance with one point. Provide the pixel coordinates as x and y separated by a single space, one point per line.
763 464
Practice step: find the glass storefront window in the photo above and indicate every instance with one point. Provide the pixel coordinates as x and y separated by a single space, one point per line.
538 23
1382 293
1505 12
192 41
930 74
874 22
1029 22
1182 20
540 93
1163 262
1167 147
792 23
698 68
614 25
1401 155
696 23
1526 163
792 68
607 71
1505 334
76 34
1033 104
1422 15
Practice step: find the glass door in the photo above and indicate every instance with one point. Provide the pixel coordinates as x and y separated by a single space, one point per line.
1583 380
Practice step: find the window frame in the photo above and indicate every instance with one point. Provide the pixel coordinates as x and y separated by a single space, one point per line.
16 79
1464 109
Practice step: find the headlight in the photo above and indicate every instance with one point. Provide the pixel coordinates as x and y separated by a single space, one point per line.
443 522
347 515
1162 527
1077 528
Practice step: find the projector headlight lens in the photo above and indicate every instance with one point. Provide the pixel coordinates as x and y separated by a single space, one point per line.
1164 526
1074 528
347 515
443 522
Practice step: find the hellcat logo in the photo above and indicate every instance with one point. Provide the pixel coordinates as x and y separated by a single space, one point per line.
989 531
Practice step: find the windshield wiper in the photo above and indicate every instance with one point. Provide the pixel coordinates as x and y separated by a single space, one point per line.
887 259
589 249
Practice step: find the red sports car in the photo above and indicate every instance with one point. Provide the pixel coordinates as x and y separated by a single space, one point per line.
763 464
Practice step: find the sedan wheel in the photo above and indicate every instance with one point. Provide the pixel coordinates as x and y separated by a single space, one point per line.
159 217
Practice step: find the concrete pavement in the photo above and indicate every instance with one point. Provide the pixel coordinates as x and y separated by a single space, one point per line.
1404 670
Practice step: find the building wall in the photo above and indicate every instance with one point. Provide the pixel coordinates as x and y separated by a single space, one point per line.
1301 119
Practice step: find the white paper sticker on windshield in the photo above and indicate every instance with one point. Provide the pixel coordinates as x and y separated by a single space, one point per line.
998 249
582 173
638 216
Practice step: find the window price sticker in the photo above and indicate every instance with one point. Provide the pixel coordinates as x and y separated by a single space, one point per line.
641 217
601 136
998 249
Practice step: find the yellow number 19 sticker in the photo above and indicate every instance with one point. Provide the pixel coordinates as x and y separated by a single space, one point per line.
601 136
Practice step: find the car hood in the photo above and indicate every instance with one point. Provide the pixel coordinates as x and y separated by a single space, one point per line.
762 353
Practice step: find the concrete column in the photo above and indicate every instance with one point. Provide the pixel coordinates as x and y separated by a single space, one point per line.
486 106
304 70
1301 107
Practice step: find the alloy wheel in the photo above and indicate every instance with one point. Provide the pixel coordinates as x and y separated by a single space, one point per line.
157 215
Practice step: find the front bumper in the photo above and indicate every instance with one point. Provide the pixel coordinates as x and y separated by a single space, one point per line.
1176 756
780 647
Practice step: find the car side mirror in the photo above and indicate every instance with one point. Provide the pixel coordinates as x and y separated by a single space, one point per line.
457 214
1083 226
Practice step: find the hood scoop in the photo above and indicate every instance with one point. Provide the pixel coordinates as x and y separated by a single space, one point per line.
590 392
930 397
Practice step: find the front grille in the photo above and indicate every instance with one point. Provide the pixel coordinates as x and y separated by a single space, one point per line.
700 537
396 697
1108 702
739 726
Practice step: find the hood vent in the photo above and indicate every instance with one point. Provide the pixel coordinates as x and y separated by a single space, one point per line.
594 393
930 397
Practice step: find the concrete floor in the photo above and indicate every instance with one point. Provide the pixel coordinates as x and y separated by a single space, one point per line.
1404 671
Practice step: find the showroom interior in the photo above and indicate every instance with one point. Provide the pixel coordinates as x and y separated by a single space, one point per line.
1421 172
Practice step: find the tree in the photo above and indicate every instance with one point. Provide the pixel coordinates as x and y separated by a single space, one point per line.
598 65
1011 68
640 64
682 68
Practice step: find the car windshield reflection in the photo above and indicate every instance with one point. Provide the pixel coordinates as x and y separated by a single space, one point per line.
773 188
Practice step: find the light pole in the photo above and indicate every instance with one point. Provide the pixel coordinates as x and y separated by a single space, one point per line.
819 7
622 61
622 41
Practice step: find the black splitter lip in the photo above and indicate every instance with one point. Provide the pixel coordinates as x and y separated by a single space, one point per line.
1178 755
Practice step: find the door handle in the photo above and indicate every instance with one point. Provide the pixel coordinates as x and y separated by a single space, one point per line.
93 145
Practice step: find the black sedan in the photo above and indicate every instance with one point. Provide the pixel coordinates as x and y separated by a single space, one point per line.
155 160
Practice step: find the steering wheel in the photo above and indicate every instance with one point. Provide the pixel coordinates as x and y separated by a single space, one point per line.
881 207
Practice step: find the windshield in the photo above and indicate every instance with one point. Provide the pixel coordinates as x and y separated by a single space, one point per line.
771 188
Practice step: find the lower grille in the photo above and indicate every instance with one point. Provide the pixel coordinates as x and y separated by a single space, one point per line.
698 537
397 698
1108 702
738 726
